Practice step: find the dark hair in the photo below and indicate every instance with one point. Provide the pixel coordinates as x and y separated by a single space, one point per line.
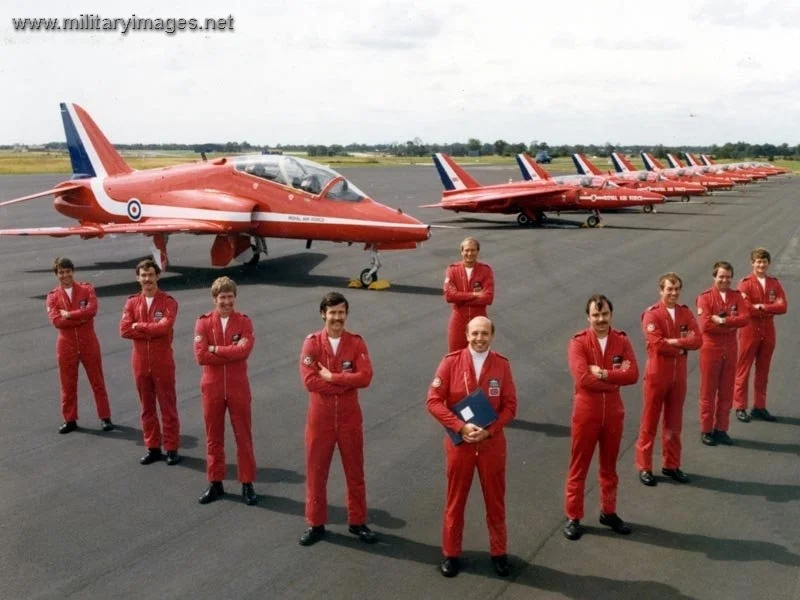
722 264
333 299
760 253
673 277
62 263
148 263
599 300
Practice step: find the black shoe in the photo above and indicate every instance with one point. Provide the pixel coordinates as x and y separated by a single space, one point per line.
615 523
312 535
573 530
106 425
708 439
214 492
173 458
249 494
676 474
68 426
762 413
364 533
646 477
153 455
501 566
742 416
450 566
722 437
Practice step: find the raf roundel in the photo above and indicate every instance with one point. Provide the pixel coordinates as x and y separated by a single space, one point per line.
307 360
134 209
437 381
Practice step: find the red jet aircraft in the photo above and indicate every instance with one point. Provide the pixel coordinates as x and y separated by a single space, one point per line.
241 201
712 182
768 168
530 199
641 180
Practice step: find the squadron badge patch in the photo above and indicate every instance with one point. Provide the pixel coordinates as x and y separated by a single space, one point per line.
307 360
651 327
437 381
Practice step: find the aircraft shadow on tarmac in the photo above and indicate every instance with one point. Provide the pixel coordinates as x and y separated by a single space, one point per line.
550 223
549 429
768 446
263 474
772 492
579 587
724 549
132 434
788 421
292 270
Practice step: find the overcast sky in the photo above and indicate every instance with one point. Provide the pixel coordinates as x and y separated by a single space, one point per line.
294 72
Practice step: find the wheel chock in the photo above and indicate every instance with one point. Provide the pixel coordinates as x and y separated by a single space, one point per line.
380 284
355 283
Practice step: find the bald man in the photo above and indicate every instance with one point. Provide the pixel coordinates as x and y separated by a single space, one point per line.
483 448
469 287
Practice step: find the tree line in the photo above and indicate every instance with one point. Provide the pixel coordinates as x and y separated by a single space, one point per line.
472 147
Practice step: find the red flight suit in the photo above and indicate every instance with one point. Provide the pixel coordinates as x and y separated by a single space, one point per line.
665 382
224 385
334 418
455 378
718 355
757 339
153 364
458 291
597 414
77 343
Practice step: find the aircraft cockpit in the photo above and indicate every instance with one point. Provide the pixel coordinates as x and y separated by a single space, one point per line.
300 173
596 182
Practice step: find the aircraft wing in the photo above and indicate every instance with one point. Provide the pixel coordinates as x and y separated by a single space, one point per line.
491 199
58 190
151 226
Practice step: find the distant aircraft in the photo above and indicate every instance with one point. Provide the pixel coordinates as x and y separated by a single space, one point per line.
641 180
717 170
712 183
530 199
768 168
241 201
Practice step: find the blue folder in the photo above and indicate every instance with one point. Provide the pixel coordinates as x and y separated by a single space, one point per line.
477 408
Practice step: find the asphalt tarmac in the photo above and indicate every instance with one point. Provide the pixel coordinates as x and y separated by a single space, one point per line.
80 518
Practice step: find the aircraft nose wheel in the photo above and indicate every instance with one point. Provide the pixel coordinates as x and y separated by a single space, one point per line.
523 220
367 277
684 198
593 221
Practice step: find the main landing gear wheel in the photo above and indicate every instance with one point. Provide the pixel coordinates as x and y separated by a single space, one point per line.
592 221
647 208
367 277
256 257
523 220
684 198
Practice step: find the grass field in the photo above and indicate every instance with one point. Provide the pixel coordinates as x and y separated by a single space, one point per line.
20 163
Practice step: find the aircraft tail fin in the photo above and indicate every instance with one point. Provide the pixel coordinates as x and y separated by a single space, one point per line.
90 152
650 162
674 162
706 159
621 164
531 171
453 177
691 160
584 165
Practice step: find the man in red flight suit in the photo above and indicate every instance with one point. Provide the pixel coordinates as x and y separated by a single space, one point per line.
334 364
148 319
459 374
766 298
71 308
601 359
469 287
670 331
721 311
223 340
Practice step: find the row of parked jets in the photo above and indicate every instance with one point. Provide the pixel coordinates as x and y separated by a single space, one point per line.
591 190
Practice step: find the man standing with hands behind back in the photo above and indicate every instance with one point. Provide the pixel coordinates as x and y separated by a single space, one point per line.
148 319
469 287
334 365
721 311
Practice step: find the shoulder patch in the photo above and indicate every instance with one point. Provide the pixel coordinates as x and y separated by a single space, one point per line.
307 360
198 338
437 382
651 327
699 310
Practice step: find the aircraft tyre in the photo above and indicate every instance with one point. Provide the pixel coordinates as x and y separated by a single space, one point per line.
256 257
647 208
592 221
366 277
523 220
685 198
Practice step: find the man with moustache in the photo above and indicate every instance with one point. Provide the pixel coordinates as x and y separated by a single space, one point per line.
483 448
223 341
334 365
148 319
71 308
766 298
721 311
601 359
670 331
469 287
